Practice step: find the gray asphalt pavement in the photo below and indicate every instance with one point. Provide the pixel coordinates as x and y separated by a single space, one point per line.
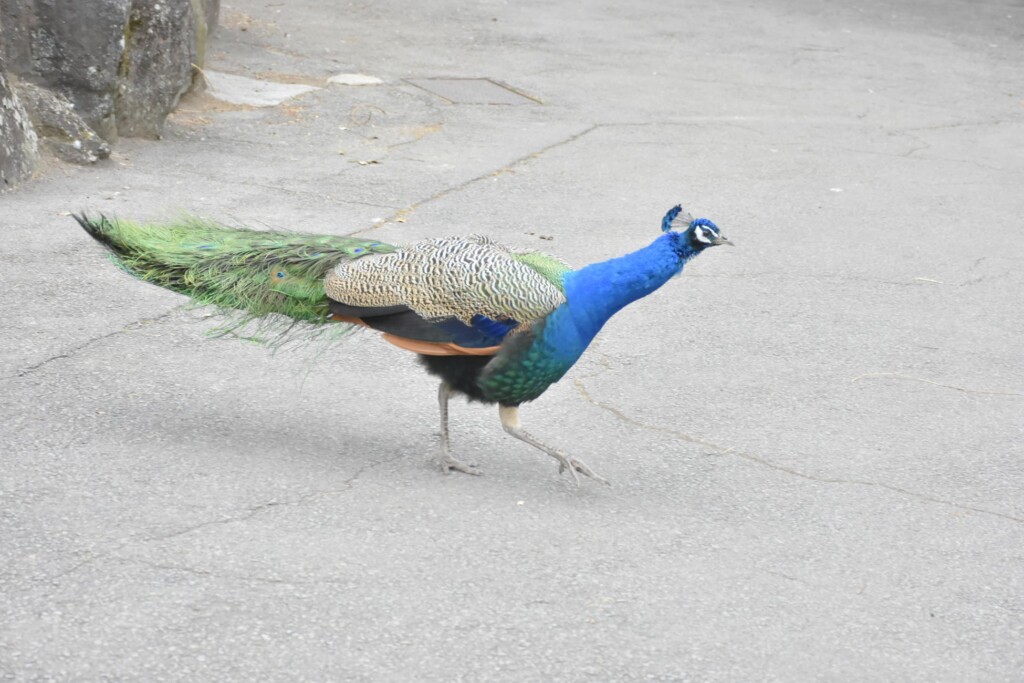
814 439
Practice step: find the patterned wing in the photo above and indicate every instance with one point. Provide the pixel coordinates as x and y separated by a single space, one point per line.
455 287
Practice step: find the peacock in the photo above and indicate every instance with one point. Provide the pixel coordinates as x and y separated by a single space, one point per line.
496 324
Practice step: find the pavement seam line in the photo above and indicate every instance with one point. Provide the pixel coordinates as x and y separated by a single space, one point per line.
209 574
68 353
401 213
250 512
231 576
896 375
750 457
109 554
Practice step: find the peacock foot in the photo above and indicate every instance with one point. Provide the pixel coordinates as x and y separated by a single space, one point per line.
566 462
510 422
448 463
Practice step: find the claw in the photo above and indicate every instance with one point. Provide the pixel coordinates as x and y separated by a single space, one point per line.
573 465
448 463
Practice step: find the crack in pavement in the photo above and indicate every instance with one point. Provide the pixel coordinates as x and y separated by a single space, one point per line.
231 576
979 123
111 553
249 514
896 375
255 510
750 457
68 353
402 213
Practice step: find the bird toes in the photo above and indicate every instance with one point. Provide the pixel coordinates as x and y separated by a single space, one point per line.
573 465
448 463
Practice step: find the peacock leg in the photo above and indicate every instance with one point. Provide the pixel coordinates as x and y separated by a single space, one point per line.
445 459
510 421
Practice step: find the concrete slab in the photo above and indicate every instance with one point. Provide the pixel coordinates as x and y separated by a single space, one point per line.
815 439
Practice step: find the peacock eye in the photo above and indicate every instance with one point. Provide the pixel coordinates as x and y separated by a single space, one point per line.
280 274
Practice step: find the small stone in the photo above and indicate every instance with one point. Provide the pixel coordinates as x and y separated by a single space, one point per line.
354 79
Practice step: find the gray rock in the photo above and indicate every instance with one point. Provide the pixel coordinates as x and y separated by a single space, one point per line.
18 146
59 125
122 63
161 45
71 48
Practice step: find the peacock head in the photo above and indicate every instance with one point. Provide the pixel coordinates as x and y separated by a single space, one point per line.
699 233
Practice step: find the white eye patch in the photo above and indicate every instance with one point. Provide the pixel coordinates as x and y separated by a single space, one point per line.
702 234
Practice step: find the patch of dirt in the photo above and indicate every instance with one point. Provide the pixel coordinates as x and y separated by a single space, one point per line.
240 21
195 109
298 79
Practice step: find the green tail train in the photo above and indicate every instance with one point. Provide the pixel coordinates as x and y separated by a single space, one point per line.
253 272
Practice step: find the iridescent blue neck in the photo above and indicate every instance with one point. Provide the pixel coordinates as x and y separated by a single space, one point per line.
595 293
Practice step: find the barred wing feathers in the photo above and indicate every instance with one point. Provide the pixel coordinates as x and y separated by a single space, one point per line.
468 291
460 278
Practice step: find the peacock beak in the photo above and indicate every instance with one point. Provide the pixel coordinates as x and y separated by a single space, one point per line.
721 240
